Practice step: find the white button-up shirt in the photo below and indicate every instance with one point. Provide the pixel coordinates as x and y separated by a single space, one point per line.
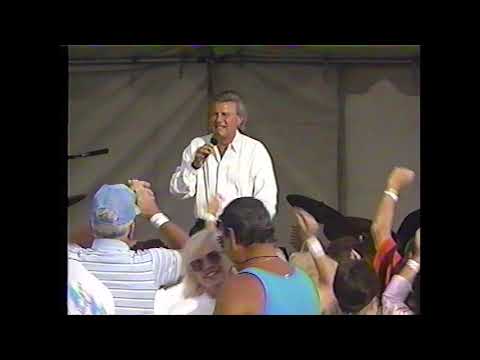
246 169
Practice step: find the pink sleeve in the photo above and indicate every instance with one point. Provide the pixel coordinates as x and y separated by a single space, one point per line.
394 296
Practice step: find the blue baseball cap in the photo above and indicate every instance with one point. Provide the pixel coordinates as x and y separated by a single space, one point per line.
113 205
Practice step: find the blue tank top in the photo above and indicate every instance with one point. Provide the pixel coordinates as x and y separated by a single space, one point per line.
295 294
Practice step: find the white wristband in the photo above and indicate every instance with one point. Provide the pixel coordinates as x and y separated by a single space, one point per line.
392 195
315 247
159 219
412 264
210 217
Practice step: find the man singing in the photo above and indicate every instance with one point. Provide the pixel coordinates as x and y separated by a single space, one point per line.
225 163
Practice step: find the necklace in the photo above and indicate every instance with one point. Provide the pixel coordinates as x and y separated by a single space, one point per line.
266 258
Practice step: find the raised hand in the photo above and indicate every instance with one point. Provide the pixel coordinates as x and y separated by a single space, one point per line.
400 178
306 224
201 155
145 197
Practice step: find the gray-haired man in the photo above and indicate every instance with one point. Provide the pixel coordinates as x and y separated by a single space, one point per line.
225 163
133 277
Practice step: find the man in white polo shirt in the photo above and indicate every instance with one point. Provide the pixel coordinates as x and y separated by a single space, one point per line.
133 277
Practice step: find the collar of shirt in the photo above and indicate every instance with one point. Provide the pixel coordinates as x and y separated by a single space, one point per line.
237 140
110 244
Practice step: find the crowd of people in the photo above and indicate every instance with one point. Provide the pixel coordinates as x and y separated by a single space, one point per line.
230 262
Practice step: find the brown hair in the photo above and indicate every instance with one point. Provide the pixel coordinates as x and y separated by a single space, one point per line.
355 285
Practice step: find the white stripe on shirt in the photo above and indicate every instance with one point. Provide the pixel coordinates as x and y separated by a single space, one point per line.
132 277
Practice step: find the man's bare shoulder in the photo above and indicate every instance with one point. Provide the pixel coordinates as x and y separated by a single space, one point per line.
240 294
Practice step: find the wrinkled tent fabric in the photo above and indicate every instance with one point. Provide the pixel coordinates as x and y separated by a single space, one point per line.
147 114
98 52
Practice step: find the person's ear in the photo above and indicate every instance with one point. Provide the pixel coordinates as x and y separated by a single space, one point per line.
130 231
417 237
233 239
242 122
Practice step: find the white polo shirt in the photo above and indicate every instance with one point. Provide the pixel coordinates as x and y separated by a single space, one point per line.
133 277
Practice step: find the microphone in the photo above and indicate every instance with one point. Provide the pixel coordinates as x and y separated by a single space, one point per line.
206 179
214 142
90 153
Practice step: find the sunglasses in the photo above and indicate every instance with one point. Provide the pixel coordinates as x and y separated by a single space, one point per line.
213 258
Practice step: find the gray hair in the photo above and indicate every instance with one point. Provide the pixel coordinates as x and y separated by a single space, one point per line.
232 96
108 231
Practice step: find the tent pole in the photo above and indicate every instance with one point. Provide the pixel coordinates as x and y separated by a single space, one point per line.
210 87
341 144
210 70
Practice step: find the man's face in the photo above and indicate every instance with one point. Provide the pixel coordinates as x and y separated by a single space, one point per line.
227 240
224 120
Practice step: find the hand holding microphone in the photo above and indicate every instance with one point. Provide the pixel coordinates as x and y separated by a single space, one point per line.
203 152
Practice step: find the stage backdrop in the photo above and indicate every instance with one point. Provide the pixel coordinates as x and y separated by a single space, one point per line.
147 115
382 113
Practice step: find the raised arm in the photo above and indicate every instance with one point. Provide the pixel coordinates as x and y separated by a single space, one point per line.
326 266
412 267
381 228
308 228
394 296
175 237
212 213
184 180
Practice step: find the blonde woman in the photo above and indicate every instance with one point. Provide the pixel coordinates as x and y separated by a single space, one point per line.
206 268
